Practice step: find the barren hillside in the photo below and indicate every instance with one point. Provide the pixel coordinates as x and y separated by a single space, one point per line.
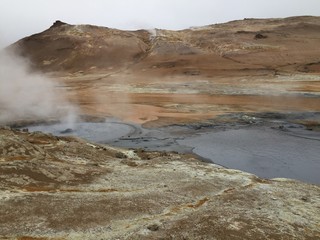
197 73
247 44
248 88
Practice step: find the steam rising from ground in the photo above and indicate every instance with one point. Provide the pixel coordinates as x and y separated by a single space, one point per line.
25 95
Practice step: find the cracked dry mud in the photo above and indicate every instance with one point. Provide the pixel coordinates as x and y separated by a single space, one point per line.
66 188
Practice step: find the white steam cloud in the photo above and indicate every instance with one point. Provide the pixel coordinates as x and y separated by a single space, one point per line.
26 95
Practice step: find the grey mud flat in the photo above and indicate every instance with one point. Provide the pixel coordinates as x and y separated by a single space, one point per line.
266 152
267 148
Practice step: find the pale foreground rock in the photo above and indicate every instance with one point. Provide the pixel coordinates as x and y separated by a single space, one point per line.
66 188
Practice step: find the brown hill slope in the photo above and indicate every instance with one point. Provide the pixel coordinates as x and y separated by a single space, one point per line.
246 44
81 47
251 65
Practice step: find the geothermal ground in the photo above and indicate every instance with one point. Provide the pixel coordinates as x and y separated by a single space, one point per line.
66 188
267 145
243 95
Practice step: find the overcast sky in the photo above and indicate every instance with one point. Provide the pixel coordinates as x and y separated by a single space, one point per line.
20 18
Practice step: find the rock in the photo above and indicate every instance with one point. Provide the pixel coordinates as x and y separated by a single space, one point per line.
153 227
260 36
120 155
68 130
58 23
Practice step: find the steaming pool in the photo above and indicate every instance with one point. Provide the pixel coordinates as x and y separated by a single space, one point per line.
95 132
267 152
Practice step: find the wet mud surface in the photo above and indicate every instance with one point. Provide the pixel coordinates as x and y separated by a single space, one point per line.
269 145
265 152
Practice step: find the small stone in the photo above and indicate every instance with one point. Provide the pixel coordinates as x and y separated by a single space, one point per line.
68 130
260 36
153 227
120 155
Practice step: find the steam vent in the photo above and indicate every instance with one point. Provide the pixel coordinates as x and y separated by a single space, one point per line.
209 132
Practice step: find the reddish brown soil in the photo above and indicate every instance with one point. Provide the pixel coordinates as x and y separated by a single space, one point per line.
184 75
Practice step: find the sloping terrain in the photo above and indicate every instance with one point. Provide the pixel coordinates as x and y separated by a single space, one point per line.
248 44
161 76
65 47
66 188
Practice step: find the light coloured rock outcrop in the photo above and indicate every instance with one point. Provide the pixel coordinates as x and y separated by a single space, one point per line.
66 188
